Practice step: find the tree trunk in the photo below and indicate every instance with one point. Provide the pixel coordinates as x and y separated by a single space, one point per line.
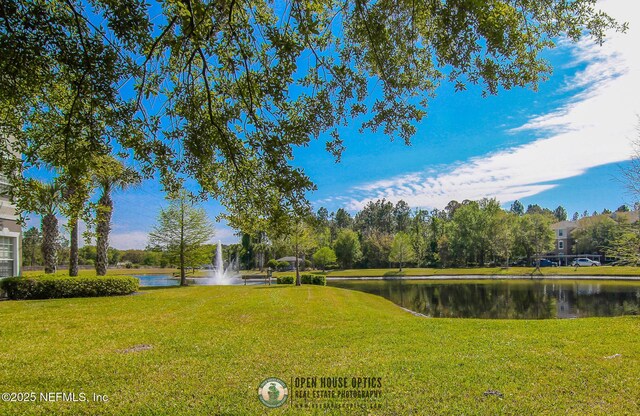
183 277
49 237
103 228
298 279
73 251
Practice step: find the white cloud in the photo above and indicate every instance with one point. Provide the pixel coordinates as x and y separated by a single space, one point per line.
129 240
593 128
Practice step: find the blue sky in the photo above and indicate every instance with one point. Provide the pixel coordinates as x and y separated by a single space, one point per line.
565 144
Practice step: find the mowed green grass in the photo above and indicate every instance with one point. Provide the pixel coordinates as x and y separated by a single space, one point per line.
212 346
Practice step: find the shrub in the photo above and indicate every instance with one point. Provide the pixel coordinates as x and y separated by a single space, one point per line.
285 280
273 263
51 287
282 265
314 279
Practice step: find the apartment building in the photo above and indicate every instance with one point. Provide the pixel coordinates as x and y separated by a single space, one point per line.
10 235
564 241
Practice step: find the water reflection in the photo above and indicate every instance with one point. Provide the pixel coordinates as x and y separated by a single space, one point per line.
513 299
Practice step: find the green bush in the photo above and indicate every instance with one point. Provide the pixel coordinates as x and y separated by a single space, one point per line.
273 263
285 280
282 265
51 287
306 279
314 279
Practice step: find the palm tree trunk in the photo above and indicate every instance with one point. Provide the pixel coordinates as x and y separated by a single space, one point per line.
73 251
49 237
103 228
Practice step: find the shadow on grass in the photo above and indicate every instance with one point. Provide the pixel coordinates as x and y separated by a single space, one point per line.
151 288
272 286
395 273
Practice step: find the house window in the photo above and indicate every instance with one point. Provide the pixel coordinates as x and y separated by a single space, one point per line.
4 186
6 256
560 233
561 245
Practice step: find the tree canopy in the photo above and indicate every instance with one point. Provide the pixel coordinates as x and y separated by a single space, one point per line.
181 232
224 91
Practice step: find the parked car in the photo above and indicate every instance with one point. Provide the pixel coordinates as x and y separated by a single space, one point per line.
583 261
519 263
547 263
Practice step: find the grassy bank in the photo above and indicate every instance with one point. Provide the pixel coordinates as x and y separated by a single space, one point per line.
487 271
204 350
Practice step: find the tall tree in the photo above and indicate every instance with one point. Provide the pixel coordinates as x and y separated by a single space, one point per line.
109 175
31 246
347 248
375 217
45 199
301 240
466 233
324 256
401 250
541 235
534 236
451 208
75 194
560 213
181 231
401 216
419 233
595 234
517 207
626 246
376 247
343 219
503 235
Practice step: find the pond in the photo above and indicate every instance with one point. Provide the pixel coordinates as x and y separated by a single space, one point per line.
506 299
158 280
155 280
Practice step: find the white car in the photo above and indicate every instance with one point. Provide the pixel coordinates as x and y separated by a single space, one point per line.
585 262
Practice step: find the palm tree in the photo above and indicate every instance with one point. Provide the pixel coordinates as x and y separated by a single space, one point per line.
109 175
46 201
73 198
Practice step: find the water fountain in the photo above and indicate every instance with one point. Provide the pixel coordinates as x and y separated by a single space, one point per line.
219 275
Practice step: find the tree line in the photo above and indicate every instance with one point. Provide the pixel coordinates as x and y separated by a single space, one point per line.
383 234
463 234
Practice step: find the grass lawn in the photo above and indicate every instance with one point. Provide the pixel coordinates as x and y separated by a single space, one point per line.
486 271
204 350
